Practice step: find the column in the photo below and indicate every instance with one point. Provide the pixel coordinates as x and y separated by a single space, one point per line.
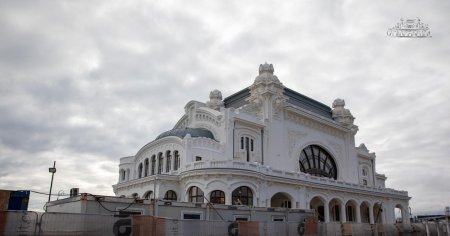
228 199
326 211
358 213
343 213
371 220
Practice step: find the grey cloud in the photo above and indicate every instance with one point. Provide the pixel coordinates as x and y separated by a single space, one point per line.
86 83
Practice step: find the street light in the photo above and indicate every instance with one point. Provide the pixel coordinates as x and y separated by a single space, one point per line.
53 171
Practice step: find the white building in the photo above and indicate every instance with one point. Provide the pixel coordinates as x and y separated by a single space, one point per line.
265 146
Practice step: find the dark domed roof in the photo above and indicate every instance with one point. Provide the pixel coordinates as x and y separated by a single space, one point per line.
194 132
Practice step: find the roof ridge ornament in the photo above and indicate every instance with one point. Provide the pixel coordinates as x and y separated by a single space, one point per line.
266 68
215 100
343 115
266 74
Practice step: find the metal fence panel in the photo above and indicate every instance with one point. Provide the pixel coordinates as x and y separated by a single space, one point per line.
18 222
149 226
195 227
361 229
84 224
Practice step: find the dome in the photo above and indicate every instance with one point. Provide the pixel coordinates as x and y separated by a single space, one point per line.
194 132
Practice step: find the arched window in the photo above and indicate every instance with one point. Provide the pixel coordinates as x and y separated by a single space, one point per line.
168 161
170 195
242 196
122 174
140 170
160 162
146 167
217 197
153 164
314 160
148 195
195 194
176 165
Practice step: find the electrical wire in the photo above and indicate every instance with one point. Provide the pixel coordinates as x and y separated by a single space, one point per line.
97 199
33 191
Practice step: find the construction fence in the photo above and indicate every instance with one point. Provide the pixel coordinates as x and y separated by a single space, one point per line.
32 223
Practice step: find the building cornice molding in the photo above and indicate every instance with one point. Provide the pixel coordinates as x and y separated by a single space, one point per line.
303 117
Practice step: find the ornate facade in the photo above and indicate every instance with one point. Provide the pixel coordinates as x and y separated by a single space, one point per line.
264 146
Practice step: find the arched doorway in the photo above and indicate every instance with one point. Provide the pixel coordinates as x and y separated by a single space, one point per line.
377 213
350 211
399 213
335 210
281 200
318 204
365 212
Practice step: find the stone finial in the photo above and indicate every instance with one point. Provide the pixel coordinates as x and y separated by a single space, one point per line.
215 94
266 74
341 114
215 100
362 146
266 68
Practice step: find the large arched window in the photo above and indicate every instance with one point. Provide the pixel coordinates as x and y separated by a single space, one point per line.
195 194
146 167
170 195
217 197
242 196
140 170
314 160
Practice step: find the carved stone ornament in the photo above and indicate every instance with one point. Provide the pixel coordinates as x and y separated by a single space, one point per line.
215 100
343 115
363 147
266 94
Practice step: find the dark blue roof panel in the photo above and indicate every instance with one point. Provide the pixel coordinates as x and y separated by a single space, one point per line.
194 132
238 100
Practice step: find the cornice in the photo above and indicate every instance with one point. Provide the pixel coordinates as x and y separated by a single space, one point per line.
303 117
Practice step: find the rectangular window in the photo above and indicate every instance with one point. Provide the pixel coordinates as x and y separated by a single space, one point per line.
241 218
242 142
197 158
278 218
191 215
251 145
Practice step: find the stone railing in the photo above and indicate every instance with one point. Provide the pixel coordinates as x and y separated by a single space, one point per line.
299 176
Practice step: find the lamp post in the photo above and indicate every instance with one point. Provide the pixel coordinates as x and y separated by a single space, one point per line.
53 171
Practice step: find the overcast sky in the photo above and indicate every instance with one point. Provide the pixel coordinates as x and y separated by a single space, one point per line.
84 83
